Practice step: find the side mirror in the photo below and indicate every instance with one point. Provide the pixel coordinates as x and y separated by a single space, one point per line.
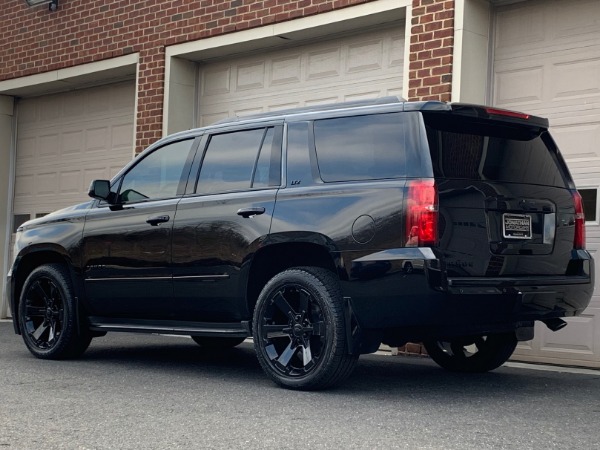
100 189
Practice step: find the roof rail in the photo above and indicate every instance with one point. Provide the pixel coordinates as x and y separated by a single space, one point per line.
315 108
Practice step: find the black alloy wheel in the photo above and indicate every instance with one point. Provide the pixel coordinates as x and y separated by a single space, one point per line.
299 330
47 315
474 353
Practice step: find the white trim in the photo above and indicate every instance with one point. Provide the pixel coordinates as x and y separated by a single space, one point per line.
597 212
99 72
303 28
406 65
293 32
9 216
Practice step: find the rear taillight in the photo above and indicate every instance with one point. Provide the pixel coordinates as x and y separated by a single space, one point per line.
421 214
579 239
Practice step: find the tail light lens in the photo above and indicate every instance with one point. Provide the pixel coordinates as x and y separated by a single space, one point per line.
422 214
579 239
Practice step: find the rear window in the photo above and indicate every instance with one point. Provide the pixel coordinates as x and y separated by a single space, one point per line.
482 150
362 147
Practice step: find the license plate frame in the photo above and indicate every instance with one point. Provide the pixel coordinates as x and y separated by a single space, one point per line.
516 226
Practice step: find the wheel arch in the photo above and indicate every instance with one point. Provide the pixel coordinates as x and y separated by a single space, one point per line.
27 263
275 258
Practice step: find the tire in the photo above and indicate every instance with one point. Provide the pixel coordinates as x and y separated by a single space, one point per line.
473 354
299 330
217 342
48 315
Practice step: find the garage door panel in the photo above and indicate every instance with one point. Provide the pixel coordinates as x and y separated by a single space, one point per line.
525 29
547 62
578 140
586 72
59 135
364 65
521 86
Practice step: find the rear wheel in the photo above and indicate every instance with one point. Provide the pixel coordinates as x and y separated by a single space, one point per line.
299 330
216 342
472 354
48 315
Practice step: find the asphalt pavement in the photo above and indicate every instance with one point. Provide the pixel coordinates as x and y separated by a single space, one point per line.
133 391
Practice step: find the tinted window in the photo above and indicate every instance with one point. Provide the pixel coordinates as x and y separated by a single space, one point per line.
298 159
590 200
230 159
158 175
361 147
263 165
478 150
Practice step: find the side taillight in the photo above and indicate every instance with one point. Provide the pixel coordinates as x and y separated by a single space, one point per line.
422 214
579 238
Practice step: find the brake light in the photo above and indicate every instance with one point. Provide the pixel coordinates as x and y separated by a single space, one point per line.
579 239
504 112
422 214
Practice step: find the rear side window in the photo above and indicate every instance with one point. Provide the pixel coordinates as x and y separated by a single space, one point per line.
478 150
362 147
240 160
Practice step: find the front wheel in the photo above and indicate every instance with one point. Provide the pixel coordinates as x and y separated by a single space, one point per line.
299 330
472 354
48 315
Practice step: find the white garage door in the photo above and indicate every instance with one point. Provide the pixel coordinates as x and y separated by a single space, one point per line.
66 140
364 65
547 62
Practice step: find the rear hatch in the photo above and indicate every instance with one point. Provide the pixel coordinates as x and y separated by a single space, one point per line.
506 198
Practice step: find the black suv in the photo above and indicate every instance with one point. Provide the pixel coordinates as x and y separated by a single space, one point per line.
321 233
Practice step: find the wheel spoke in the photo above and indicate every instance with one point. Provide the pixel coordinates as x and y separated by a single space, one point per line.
276 331
40 331
458 350
52 332
306 355
303 302
283 305
57 314
33 311
37 287
286 356
271 352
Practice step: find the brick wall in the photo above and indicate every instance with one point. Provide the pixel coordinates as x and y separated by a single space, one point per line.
34 40
431 49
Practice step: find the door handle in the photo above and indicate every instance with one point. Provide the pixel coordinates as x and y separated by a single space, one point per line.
249 212
156 220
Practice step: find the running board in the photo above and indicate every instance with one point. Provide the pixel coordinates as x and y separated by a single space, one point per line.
238 329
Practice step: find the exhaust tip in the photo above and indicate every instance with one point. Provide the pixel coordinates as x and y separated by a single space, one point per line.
555 324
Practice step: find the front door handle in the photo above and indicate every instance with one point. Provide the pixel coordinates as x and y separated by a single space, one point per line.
249 212
156 220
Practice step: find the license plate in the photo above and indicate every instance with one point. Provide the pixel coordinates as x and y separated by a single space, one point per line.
516 226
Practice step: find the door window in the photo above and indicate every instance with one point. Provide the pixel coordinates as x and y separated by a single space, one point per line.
240 160
158 175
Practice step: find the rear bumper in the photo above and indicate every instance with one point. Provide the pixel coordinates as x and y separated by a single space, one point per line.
424 302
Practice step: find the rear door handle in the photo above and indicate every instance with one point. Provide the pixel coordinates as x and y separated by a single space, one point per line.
249 212
156 220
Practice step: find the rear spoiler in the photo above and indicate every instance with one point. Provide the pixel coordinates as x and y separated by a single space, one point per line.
479 112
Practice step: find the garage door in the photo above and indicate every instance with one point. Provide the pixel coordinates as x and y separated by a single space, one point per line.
66 140
363 65
547 62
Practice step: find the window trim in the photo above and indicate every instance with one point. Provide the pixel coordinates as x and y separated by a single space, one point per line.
275 158
195 141
596 221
